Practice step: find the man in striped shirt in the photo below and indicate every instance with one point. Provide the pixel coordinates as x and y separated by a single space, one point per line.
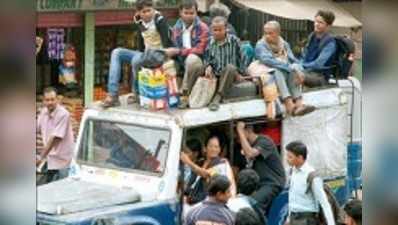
223 59
213 210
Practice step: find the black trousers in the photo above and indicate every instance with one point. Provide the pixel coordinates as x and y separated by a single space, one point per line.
265 194
313 79
226 79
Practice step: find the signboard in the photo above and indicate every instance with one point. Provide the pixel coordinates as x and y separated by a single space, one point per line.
88 5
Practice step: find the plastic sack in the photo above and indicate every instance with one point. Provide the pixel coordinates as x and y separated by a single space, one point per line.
153 89
268 84
202 92
169 69
67 69
67 75
324 132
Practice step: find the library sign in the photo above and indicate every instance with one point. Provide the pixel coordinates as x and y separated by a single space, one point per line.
83 5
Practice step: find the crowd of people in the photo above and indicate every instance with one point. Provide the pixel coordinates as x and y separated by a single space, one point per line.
214 192
213 49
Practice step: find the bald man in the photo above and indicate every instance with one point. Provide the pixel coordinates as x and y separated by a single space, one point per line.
273 51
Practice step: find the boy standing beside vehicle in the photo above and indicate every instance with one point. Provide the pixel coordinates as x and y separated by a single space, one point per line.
304 207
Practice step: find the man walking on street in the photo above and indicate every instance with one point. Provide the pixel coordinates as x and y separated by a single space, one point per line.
248 182
56 130
213 210
303 205
262 156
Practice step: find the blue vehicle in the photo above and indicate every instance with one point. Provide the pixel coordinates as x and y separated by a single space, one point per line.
128 158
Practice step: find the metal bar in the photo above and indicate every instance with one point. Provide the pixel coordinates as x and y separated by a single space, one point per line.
68 35
182 175
231 141
89 57
352 124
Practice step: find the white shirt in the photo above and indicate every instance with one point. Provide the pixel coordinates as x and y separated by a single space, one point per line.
299 201
149 25
186 36
239 202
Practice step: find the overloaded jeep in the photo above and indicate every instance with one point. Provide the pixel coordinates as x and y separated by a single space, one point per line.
128 158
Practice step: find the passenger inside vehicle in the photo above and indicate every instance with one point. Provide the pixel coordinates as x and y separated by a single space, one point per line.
233 155
212 165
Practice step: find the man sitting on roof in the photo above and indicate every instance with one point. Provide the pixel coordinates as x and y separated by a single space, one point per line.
223 59
190 35
153 33
315 68
273 51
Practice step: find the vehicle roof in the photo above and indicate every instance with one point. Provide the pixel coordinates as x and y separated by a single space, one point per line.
227 111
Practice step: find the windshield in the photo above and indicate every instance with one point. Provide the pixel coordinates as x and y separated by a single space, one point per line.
124 146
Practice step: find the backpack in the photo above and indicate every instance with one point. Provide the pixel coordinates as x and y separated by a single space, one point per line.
335 206
341 62
196 190
344 48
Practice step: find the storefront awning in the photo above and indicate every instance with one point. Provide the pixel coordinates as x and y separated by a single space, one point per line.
301 10
88 5
70 19
102 18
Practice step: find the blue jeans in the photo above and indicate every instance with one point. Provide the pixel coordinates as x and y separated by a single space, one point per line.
286 84
119 56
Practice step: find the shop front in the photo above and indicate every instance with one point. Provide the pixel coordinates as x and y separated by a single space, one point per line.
90 29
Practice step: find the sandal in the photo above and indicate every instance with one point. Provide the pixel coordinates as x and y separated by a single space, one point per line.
214 106
110 101
303 110
291 111
215 103
131 99
183 102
